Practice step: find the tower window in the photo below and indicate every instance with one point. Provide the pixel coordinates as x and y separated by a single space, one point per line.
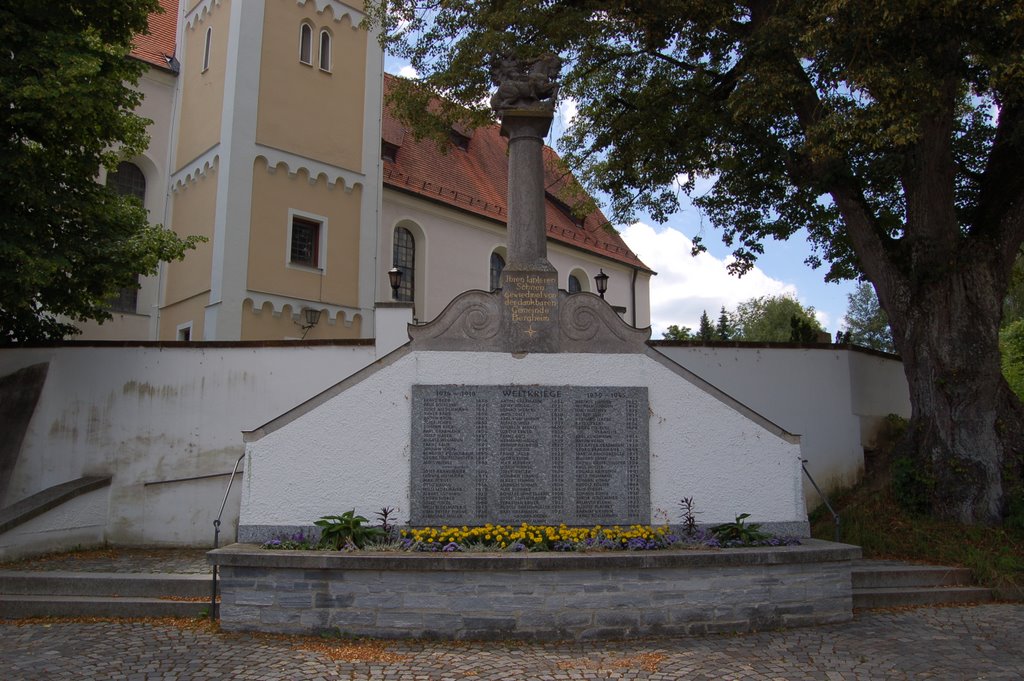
304 242
325 51
306 44
206 49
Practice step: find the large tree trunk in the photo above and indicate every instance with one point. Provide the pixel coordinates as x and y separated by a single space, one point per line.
966 434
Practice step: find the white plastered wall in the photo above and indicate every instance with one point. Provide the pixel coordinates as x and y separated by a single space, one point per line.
164 422
353 450
834 398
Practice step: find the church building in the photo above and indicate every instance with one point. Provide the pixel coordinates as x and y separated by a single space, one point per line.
271 139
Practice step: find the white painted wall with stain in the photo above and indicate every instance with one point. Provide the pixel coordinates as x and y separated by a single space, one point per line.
163 418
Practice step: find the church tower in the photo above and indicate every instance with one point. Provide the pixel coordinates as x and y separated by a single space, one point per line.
275 160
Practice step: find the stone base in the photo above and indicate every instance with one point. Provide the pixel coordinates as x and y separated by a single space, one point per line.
536 595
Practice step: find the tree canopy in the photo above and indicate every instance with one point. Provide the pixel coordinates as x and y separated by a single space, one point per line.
769 319
68 242
893 133
678 333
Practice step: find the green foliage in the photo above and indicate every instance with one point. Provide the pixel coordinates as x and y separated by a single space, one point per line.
801 331
1011 346
1013 303
873 520
66 111
866 321
912 485
679 333
706 331
738 530
346 531
769 319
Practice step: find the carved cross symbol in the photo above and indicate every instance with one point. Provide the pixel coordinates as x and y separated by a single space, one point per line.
530 331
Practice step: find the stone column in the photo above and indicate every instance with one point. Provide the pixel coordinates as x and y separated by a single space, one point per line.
527 225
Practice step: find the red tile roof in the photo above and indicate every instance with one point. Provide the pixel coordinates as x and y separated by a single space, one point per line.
159 41
476 181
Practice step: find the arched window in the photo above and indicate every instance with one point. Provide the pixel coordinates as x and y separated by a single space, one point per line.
325 50
574 284
306 44
206 49
497 265
128 180
404 258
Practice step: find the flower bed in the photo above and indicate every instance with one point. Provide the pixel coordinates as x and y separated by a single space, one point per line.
526 537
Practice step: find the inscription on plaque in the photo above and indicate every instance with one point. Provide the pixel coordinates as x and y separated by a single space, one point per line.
538 454
531 296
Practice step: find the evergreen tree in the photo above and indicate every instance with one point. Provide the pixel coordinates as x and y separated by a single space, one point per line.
723 330
866 321
706 331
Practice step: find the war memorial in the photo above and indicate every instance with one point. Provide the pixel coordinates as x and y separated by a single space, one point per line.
526 404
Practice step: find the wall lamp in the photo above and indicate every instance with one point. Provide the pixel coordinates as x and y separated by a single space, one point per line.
601 279
395 277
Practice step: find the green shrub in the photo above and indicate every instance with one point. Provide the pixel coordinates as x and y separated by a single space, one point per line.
739 531
912 485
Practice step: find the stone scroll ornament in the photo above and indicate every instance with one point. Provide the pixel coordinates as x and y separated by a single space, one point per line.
525 83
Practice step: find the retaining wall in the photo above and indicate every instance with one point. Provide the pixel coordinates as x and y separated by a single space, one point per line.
546 596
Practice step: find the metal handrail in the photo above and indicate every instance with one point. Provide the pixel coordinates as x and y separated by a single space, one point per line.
824 498
216 539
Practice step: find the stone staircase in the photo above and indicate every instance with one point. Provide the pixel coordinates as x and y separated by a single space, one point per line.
888 584
98 594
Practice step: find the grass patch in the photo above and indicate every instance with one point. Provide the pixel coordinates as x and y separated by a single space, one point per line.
873 520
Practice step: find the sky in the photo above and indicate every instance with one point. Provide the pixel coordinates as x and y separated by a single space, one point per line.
685 285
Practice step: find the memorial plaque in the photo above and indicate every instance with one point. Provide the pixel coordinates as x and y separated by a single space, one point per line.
537 454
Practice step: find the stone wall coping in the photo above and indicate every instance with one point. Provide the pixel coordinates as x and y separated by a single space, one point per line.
810 551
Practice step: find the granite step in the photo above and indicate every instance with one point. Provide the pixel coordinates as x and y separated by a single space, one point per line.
102 594
888 584
23 605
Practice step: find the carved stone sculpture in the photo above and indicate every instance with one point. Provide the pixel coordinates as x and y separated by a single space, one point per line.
525 84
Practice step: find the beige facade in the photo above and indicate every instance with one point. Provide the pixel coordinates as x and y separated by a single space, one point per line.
279 196
193 204
311 109
202 89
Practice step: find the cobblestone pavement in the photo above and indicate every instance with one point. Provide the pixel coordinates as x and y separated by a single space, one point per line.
973 642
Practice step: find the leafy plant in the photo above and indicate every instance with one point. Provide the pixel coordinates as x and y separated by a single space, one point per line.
687 506
384 515
739 531
345 531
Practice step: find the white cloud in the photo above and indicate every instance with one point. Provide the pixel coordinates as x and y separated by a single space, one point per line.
687 285
409 72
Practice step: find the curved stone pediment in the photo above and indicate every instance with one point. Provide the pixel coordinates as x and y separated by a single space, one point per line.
560 322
